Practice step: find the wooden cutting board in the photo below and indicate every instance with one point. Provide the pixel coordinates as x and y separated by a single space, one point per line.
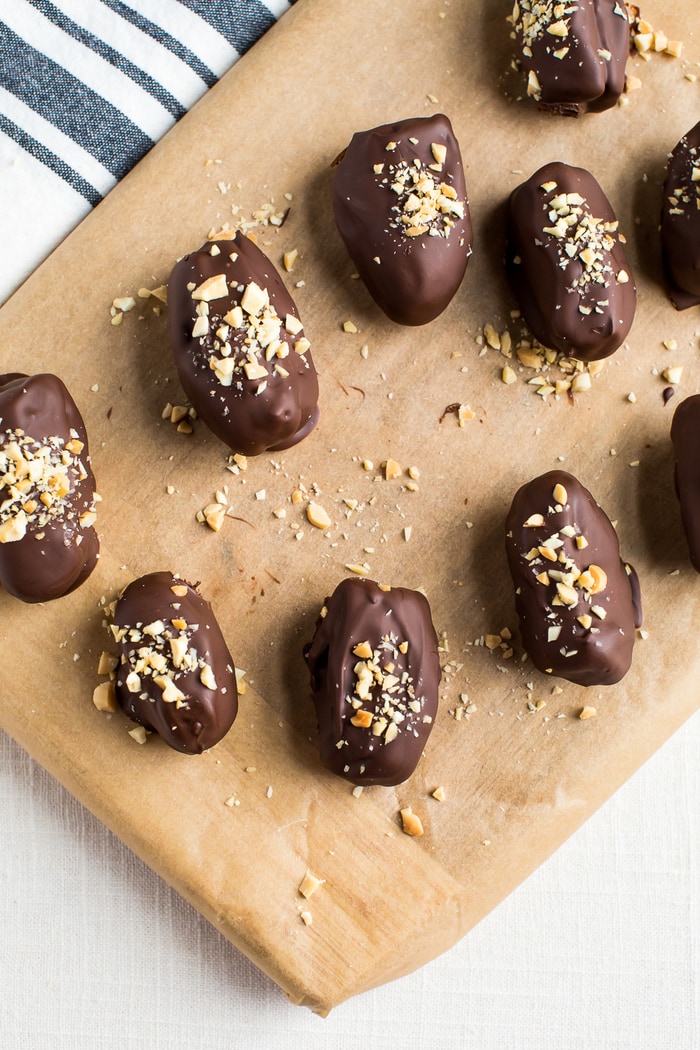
519 777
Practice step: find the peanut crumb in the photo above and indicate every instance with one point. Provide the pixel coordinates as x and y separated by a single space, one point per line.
104 696
439 794
317 516
587 712
139 734
410 822
309 884
107 663
289 258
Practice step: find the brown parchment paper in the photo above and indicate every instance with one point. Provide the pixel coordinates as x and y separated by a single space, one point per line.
517 781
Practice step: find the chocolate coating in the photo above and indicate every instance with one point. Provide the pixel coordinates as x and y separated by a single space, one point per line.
574 53
402 211
249 374
176 676
685 435
680 222
578 602
376 705
48 545
567 264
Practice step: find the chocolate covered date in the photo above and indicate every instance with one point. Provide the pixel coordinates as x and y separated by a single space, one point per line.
400 205
578 602
175 675
685 436
374 677
680 222
48 544
567 265
574 52
240 349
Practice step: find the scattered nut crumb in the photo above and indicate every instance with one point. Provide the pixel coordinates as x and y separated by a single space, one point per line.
411 822
439 794
587 712
104 696
139 734
309 884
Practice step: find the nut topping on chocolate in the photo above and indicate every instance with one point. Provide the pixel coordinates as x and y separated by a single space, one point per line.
48 545
573 51
566 262
680 221
375 675
578 602
400 205
239 346
175 675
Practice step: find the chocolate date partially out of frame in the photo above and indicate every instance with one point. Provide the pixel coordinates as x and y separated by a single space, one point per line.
240 349
374 676
400 205
578 602
574 52
685 435
680 222
48 544
567 264
176 676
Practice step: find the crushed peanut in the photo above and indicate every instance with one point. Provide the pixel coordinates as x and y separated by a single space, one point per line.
309 884
411 823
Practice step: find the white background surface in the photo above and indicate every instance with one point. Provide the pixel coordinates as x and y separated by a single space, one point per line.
599 950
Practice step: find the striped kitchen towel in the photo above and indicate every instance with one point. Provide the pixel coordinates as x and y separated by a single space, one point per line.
86 88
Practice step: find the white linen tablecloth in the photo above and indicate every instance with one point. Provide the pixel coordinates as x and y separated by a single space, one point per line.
599 950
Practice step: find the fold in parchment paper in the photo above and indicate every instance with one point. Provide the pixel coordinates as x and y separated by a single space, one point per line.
520 770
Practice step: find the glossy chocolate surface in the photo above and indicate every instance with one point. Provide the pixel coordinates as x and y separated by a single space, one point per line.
240 350
573 52
48 545
400 205
176 676
685 435
374 677
578 602
567 264
680 222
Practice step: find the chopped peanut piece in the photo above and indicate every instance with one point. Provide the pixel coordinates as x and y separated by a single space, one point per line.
411 822
108 663
213 288
318 517
289 258
214 515
309 884
363 650
104 697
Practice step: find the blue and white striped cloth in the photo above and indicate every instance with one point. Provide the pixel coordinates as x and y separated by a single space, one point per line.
86 88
